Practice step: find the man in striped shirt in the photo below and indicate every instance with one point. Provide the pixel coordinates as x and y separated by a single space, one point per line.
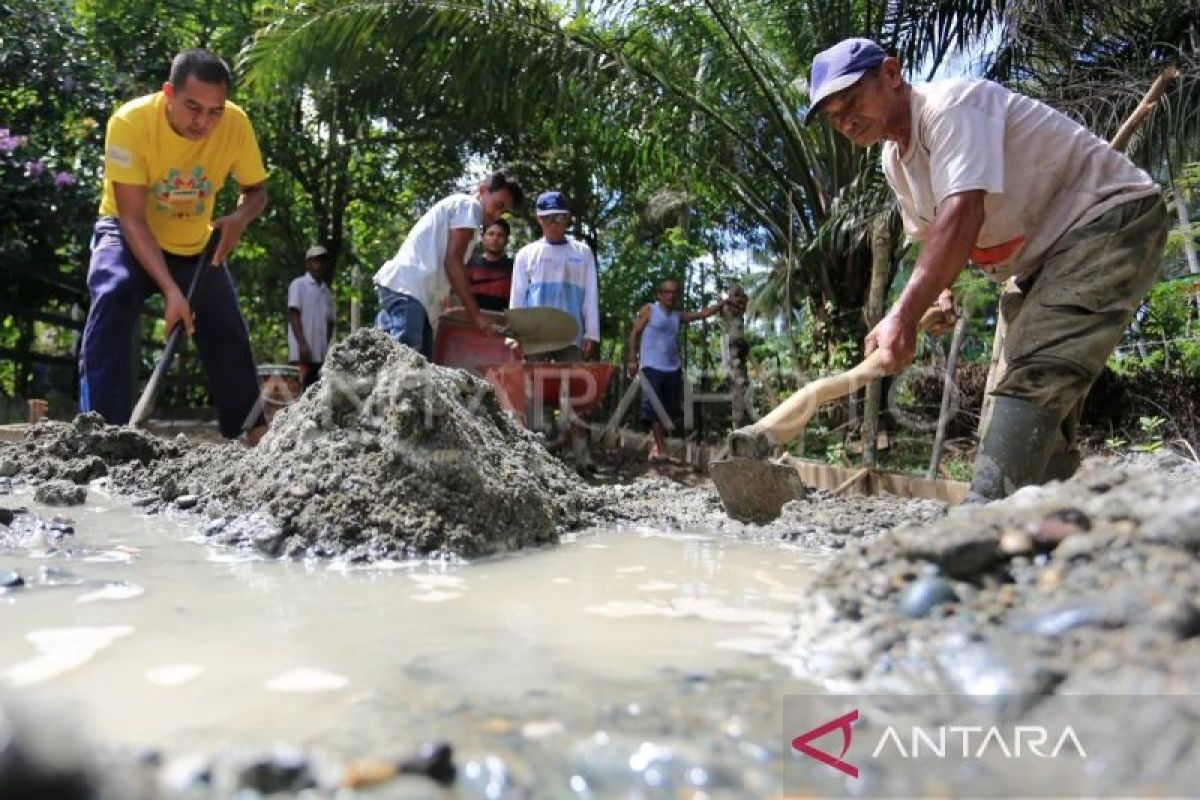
559 272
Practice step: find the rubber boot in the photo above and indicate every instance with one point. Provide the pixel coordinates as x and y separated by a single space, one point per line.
1015 450
1061 466
1065 458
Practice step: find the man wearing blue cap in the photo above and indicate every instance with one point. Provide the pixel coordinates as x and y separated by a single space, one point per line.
559 272
987 175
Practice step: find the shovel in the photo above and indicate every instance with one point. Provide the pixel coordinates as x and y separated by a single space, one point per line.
753 488
145 404
542 329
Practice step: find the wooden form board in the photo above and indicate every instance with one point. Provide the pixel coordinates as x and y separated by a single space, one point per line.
873 481
818 474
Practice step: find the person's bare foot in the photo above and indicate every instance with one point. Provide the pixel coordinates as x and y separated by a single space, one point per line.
255 434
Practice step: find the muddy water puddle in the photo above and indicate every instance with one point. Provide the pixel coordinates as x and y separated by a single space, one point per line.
615 653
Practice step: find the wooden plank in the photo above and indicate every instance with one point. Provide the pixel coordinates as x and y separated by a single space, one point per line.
829 477
13 433
41 358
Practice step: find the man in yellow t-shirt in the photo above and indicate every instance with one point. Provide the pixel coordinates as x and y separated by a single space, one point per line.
166 155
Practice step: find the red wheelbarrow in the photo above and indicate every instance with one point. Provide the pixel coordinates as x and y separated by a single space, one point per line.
524 389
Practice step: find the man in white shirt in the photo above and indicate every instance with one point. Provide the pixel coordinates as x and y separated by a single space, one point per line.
310 316
1023 191
559 272
413 284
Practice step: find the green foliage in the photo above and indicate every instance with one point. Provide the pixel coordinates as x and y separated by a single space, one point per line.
50 90
1152 429
1163 337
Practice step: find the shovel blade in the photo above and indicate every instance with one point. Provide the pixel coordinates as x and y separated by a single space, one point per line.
755 491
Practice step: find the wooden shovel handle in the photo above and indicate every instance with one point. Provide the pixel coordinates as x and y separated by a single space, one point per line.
790 417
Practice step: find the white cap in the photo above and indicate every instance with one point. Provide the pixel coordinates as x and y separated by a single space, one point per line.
316 251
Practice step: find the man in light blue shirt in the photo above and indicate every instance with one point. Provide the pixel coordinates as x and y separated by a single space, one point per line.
559 272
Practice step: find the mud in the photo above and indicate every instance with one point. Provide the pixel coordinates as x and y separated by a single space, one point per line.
387 456
61 493
1087 587
821 520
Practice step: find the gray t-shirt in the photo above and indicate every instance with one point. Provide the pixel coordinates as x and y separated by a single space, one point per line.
1044 173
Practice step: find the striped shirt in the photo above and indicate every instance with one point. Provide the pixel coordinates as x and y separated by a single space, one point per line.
560 275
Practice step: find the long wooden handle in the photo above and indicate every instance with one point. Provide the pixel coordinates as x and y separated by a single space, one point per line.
1144 108
790 417
145 404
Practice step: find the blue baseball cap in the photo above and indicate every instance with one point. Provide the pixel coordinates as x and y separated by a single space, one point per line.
839 68
551 203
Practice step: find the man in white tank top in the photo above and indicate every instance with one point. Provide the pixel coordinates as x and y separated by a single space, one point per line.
1021 190
654 343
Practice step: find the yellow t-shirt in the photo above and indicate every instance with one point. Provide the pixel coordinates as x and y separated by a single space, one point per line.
181 176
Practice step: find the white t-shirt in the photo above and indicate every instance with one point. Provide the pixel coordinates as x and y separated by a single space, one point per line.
418 268
1044 173
560 275
314 301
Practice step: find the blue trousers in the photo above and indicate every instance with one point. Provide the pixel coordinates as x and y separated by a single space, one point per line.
119 286
402 317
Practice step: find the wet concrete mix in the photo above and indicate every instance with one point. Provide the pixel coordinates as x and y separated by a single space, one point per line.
388 456
1083 587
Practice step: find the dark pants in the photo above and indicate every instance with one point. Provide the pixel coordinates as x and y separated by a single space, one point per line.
311 371
667 388
119 287
403 318
1071 313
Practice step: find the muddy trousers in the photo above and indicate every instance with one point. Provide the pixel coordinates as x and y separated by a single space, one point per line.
119 287
1063 324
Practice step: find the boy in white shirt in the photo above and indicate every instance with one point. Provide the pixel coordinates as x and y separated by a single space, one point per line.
413 284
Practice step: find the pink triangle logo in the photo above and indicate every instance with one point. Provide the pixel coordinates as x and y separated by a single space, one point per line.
842 723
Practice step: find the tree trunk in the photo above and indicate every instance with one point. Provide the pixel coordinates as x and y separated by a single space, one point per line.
735 353
881 251
1189 247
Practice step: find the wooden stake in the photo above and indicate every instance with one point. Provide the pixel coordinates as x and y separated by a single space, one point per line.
960 328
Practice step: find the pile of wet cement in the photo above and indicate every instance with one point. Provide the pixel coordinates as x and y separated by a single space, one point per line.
388 456
1086 586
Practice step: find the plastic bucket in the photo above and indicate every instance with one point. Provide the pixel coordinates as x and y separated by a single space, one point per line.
279 385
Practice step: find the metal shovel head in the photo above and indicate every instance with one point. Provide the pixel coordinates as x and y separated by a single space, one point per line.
542 329
755 491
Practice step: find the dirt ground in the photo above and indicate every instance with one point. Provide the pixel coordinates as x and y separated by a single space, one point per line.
1085 587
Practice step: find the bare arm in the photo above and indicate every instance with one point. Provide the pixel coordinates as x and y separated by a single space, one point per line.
456 271
131 211
693 316
634 347
251 203
943 256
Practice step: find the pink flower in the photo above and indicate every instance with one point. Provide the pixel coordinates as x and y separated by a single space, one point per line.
8 142
34 169
63 178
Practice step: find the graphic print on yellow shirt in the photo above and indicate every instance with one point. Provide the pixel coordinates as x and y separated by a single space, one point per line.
181 176
181 197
